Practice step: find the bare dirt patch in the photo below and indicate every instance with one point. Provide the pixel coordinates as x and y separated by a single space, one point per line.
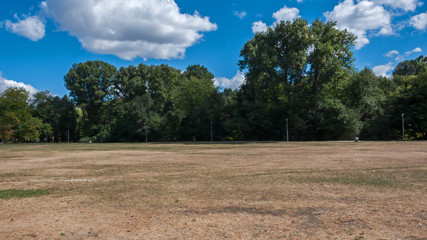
319 190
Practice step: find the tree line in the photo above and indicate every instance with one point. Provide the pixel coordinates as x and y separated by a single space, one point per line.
296 71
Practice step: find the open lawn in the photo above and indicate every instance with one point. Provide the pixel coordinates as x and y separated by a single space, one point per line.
317 190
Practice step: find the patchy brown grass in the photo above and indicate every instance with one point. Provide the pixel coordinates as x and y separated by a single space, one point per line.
319 190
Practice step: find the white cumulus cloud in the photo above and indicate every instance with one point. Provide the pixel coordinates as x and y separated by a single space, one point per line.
5 84
419 21
392 53
31 27
241 14
382 70
130 28
233 83
360 18
286 14
416 50
406 5
395 54
259 27
283 14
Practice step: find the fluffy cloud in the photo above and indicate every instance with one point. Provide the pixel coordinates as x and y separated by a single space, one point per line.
419 21
416 50
233 83
259 27
406 5
360 18
130 28
382 70
284 14
395 55
392 53
31 27
241 14
400 57
5 84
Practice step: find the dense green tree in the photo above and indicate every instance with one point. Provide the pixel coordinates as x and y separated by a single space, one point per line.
297 71
368 95
199 103
16 119
276 62
59 112
131 81
199 72
411 100
91 89
330 58
14 110
229 129
30 130
14 104
411 67
132 117
163 86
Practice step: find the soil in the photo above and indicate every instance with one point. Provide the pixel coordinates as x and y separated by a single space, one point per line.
272 190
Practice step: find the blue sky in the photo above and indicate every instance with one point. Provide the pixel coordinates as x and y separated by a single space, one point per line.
40 40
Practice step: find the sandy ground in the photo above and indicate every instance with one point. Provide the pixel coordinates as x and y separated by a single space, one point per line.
319 190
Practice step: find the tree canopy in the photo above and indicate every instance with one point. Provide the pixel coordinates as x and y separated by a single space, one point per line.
296 72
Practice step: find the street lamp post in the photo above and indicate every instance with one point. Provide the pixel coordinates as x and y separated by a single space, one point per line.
287 132
146 134
403 127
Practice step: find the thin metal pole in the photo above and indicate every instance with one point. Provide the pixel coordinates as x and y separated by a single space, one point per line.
146 134
403 127
211 132
287 132
68 134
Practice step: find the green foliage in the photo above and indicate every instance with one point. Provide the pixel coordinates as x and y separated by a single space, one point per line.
14 106
199 104
59 113
90 86
411 99
298 72
17 121
29 130
295 70
411 67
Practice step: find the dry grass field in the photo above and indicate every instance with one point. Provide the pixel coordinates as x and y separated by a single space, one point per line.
318 190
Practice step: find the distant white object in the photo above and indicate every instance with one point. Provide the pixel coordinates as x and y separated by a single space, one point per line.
90 141
356 139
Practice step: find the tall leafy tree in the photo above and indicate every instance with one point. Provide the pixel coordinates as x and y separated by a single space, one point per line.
330 57
368 95
59 113
199 103
411 100
14 110
90 86
16 119
133 105
163 86
297 71
411 67
276 62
